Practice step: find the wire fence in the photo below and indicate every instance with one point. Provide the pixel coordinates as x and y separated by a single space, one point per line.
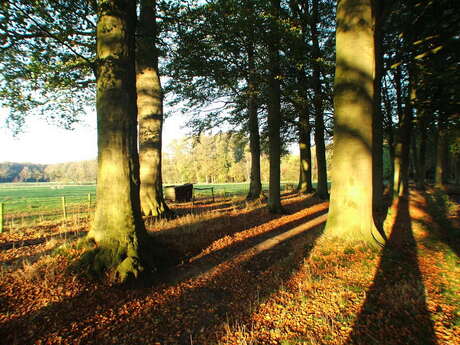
30 211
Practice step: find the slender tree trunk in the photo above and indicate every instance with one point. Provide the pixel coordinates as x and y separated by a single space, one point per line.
321 187
255 185
117 229
441 154
150 114
305 183
421 166
350 213
405 140
390 135
398 151
274 117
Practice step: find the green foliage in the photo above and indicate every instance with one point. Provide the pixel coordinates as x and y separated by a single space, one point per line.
220 158
47 51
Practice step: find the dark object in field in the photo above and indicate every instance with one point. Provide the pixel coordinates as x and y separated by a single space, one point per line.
182 193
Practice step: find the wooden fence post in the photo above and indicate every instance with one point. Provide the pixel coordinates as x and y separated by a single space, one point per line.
64 211
1 217
89 202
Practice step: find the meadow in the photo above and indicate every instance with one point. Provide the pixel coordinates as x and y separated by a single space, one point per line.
33 203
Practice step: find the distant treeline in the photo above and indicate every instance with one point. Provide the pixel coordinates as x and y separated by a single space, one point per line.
83 171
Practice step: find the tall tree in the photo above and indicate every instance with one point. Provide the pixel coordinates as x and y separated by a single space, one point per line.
274 111
118 231
350 214
255 183
321 187
150 113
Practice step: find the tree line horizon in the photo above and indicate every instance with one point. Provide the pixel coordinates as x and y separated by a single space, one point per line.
362 74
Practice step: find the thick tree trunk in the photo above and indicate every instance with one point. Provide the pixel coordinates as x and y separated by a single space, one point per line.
321 186
150 114
350 213
117 229
305 183
255 184
274 118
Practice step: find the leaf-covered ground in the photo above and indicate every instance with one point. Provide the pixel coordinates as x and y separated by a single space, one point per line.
247 277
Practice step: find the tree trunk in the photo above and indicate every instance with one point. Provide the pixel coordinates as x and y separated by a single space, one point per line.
398 147
441 154
117 229
274 117
255 184
390 135
377 136
305 183
421 166
150 114
350 213
321 187
402 152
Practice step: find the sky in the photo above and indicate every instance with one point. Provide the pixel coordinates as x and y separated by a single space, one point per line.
43 143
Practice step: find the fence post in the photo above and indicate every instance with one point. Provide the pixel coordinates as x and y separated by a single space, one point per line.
89 202
1 217
64 211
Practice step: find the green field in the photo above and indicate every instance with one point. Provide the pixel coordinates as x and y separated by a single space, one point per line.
25 202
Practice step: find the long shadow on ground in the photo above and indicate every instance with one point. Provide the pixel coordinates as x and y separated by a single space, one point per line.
194 309
190 243
395 310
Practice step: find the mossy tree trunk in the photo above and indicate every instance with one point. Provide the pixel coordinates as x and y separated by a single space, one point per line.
274 115
117 230
255 184
350 213
150 114
321 187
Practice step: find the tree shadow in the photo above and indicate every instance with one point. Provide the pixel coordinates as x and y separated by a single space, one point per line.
194 309
34 241
447 232
190 239
395 310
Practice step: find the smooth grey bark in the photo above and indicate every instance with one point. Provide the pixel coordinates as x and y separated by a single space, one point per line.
350 214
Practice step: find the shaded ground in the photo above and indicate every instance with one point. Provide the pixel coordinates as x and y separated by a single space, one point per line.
247 277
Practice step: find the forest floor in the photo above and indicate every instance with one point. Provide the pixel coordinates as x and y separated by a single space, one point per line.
247 277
